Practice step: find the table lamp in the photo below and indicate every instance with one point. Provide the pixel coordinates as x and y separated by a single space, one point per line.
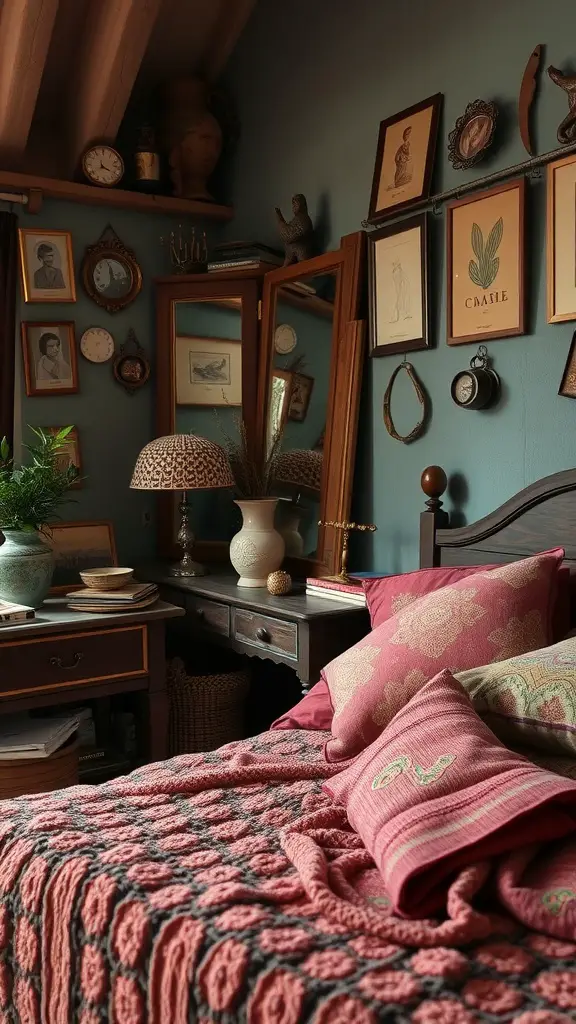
182 462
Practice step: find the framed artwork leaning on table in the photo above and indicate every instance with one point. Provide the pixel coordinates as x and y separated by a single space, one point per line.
78 546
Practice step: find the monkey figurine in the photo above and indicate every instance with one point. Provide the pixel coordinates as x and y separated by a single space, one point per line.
297 234
567 128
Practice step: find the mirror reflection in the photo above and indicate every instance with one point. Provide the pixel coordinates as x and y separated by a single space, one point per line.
302 343
208 394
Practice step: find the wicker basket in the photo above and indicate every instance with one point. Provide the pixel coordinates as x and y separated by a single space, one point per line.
206 711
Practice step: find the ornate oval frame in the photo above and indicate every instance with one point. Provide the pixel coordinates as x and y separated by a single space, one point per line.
484 113
109 245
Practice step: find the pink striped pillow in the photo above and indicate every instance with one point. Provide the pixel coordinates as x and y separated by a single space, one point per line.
437 792
491 616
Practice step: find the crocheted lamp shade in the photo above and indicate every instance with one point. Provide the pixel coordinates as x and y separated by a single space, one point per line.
181 462
301 467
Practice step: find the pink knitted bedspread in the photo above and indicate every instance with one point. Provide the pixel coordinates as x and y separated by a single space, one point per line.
227 887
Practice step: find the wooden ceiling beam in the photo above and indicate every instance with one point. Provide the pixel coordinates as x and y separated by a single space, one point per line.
25 33
116 34
229 26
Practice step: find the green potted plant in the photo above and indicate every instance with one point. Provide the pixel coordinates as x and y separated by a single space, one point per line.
30 496
258 548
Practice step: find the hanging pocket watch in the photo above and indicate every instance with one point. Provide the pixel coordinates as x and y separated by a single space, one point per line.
478 387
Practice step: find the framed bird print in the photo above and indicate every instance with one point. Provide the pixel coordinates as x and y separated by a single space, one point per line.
486 264
208 371
561 239
404 158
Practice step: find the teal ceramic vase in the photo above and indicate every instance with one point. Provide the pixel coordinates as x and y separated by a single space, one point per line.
26 567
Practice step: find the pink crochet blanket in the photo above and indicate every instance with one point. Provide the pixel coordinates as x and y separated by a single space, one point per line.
228 887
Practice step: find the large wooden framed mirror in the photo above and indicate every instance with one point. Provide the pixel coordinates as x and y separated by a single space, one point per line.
206 378
311 357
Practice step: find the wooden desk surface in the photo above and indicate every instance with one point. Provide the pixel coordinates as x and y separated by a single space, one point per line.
56 617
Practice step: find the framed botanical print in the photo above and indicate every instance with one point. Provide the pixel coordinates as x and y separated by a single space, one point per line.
561 239
208 371
49 351
46 265
485 242
398 287
404 158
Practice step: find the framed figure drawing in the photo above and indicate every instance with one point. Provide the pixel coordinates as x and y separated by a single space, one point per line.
398 287
486 264
208 371
46 265
49 352
404 158
561 239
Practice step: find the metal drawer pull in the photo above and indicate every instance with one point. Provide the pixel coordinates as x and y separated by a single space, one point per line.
199 612
56 662
263 635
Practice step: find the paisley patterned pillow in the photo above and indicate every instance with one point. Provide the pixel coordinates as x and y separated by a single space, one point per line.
493 615
529 699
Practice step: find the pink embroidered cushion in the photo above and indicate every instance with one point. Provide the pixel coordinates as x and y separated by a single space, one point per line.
388 594
314 711
493 615
437 792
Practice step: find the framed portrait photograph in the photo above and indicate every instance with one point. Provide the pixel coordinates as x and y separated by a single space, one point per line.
70 453
49 352
46 265
404 158
399 287
302 386
208 371
561 239
80 546
486 266
568 385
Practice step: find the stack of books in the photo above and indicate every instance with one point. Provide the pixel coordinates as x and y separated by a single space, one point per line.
245 256
335 590
11 614
24 738
132 597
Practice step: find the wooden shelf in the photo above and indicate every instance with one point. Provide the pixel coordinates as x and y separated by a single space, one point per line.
75 192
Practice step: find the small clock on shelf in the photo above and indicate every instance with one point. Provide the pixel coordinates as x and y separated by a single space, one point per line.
285 339
97 345
478 387
102 165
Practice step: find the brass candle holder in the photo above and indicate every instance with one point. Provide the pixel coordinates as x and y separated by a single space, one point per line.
188 254
342 576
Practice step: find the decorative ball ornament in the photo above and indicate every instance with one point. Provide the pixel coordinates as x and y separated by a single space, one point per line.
279 583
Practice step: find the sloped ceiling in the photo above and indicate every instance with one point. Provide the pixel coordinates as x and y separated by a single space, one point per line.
69 67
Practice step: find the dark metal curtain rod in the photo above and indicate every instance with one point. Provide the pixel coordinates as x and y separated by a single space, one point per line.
526 167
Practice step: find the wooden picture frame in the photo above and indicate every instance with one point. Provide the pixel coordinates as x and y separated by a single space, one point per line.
404 158
49 356
567 387
46 265
70 455
561 240
69 542
301 393
398 283
220 359
486 265
280 398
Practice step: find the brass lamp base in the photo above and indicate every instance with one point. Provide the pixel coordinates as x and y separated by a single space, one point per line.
186 566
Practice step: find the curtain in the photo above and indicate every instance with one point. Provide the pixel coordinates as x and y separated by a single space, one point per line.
8 293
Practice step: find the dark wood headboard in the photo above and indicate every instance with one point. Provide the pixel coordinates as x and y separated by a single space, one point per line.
540 517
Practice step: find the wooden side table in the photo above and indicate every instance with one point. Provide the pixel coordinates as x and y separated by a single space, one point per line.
65 657
300 631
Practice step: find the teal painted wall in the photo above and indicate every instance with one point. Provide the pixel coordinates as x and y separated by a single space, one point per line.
313 81
113 426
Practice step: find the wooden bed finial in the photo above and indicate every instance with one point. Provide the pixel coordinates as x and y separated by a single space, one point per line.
434 482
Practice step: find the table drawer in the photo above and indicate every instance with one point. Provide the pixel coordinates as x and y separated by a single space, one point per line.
209 616
269 634
71 659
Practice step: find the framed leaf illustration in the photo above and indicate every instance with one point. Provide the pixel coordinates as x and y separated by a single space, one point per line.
486 265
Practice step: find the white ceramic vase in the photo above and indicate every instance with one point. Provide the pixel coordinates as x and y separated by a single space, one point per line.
258 549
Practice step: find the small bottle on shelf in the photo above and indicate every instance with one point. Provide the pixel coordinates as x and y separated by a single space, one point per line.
147 161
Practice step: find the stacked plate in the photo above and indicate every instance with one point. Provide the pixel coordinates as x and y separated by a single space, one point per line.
111 590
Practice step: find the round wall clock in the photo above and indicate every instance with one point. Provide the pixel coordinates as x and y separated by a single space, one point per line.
478 387
110 272
102 165
97 345
285 339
